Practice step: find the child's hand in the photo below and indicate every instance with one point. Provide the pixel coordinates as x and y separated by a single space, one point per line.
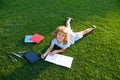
53 52
43 56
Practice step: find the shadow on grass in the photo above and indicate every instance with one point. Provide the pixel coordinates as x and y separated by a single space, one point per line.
29 71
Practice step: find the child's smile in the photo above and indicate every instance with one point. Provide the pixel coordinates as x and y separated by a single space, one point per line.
60 37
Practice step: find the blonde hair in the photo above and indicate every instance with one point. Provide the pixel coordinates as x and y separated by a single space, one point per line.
61 29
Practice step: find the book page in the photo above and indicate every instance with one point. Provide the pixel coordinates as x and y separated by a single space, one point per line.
65 61
53 58
59 59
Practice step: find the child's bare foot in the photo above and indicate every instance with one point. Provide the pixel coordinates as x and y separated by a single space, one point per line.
93 26
43 56
69 18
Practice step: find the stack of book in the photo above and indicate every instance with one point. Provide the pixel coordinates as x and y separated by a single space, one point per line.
36 38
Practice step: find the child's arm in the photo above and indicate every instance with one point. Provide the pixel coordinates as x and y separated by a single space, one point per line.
57 51
48 51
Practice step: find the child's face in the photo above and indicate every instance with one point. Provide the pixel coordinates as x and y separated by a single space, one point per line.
60 36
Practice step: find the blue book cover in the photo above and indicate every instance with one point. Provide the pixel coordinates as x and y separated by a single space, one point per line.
27 39
31 56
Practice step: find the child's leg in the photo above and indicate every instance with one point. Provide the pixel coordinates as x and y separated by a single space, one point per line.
68 23
79 35
86 31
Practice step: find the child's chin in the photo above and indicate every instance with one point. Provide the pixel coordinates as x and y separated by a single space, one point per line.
59 40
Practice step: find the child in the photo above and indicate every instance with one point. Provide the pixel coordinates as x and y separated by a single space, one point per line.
64 37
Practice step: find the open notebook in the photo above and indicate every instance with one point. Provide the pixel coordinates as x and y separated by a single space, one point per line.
59 59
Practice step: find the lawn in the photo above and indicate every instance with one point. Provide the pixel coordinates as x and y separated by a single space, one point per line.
96 56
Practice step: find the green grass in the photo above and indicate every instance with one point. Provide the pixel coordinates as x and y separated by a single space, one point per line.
96 56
